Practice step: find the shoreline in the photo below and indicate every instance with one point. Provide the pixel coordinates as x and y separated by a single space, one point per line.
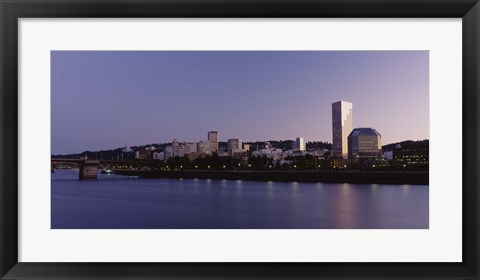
359 177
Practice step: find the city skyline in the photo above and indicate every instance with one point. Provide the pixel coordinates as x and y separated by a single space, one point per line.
134 98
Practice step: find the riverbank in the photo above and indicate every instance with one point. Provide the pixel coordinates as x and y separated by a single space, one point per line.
359 177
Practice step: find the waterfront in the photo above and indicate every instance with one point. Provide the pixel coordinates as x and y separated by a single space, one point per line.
118 202
315 176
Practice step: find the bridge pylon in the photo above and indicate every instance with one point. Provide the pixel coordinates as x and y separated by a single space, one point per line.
88 170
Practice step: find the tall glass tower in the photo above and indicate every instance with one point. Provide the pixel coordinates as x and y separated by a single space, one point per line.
300 143
342 125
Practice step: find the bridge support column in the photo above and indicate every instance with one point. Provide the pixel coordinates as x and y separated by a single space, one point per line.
88 170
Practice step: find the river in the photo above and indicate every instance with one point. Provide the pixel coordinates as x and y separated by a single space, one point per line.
119 202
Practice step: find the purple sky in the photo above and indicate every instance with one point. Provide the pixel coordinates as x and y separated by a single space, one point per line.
110 99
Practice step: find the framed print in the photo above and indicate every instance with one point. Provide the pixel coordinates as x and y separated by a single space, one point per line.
226 139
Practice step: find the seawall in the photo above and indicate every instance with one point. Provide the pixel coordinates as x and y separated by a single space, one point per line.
359 177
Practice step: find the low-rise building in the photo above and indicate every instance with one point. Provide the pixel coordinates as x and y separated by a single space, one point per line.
158 155
143 154
339 163
412 154
388 155
273 153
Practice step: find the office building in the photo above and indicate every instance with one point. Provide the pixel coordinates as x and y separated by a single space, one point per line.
158 155
364 143
191 147
234 145
203 146
213 139
300 144
143 154
167 153
342 125
177 149
412 153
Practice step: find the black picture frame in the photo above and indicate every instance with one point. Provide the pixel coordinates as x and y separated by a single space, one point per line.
12 10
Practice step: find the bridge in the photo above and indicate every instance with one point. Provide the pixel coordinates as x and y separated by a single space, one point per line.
88 167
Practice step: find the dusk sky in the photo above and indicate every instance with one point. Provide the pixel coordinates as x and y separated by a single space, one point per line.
110 99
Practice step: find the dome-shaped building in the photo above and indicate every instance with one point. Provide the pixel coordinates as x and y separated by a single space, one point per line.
364 142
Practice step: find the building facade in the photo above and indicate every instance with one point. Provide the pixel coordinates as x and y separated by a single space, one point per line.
143 154
213 139
300 144
342 125
177 149
192 147
159 155
412 153
234 145
203 146
364 143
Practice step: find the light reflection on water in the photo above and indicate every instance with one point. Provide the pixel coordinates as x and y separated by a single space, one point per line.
124 202
270 187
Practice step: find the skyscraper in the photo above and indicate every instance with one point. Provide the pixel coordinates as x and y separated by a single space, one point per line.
213 139
300 143
342 125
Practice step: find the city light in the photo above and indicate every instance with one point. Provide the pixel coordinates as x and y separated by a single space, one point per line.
298 155
284 154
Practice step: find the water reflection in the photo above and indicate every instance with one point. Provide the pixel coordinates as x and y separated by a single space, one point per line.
223 183
121 202
270 187
345 207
